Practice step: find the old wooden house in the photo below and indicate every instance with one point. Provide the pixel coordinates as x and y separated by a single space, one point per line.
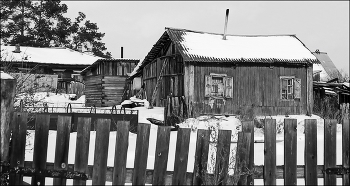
105 80
59 62
229 74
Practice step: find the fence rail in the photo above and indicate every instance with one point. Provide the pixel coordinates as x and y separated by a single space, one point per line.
245 171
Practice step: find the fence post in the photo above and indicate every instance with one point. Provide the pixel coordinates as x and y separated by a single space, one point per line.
222 156
121 152
8 88
248 127
330 132
141 152
82 147
181 156
242 159
18 145
346 148
201 157
62 146
290 151
310 154
270 152
161 156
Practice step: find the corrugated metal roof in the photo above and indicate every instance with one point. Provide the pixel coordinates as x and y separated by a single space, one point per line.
327 65
210 47
55 55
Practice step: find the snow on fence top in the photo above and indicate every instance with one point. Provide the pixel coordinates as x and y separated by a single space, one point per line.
4 75
53 55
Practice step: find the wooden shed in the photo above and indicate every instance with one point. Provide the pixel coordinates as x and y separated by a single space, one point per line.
105 79
266 74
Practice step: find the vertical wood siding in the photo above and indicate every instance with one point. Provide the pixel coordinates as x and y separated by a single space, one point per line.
255 88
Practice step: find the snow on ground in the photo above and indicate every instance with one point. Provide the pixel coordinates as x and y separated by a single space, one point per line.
203 122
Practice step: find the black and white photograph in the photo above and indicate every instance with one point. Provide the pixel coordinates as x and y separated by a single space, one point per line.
174 92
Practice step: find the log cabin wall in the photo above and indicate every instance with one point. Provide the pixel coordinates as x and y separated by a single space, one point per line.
171 82
105 81
255 89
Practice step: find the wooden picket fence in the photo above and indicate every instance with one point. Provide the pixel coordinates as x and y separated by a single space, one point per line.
245 170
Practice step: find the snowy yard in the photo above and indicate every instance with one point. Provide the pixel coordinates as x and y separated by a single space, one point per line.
226 123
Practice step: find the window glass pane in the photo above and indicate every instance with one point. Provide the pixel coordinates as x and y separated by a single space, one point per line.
290 96
217 86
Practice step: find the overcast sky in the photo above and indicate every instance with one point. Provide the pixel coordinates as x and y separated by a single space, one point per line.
137 25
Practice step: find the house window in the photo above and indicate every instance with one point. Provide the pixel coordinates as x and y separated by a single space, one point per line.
218 86
290 87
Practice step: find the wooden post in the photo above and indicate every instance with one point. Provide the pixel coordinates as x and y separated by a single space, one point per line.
290 151
330 149
346 148
141 153
248 127
121 151
270 152
18 145
101 151
161 155
310 152
8 88
242 158
82 148
181 156
222 156
309 91
42 122
201 157
62 146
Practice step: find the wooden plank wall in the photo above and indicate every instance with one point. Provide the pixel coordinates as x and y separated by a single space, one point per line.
255 87
104 90
171 82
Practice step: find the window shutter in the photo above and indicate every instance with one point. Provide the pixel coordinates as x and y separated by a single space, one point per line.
229 87
208 86
297 88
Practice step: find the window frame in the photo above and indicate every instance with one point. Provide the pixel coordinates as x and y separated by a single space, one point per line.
223 96
292 78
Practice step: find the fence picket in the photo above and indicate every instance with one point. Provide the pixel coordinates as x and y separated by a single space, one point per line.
346 149
201 157
62 146
141 152
82 147
18 145
248 127
242 158
181 156
121 151
222 156
290 151
330 132
310 154
161 155
40 147
270 152
101 151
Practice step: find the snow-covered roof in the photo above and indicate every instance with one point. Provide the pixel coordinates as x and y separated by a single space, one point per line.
209 47
196 46
4 75
53 55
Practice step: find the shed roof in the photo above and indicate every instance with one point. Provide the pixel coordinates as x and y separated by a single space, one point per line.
53 55
197 46
330 71
114 60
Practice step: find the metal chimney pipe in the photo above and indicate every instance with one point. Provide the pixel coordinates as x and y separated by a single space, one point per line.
226 20
121 51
